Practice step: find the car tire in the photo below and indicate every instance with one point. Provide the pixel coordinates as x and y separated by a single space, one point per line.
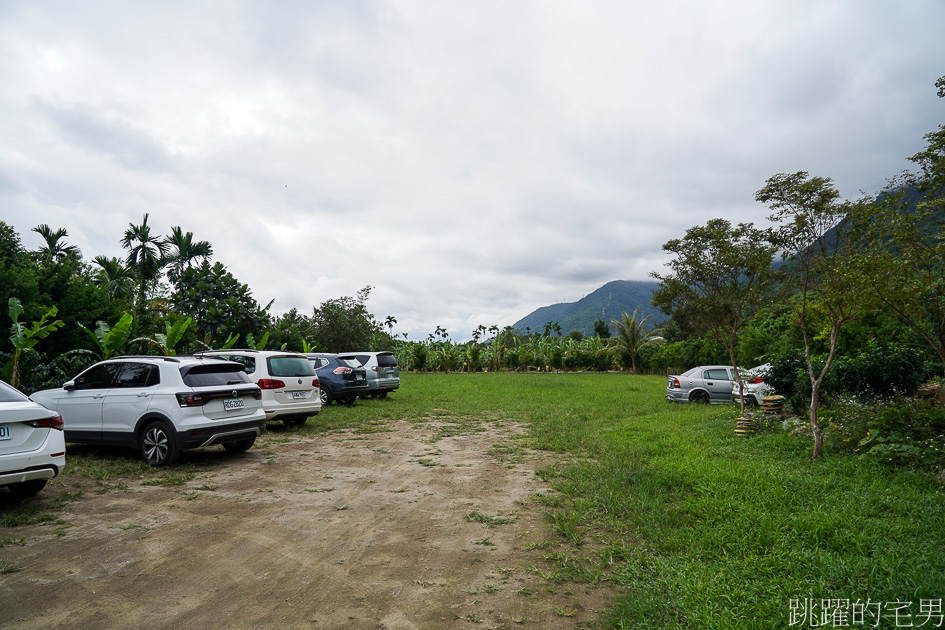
157 445
348 402
239 446
27 488
699 397
325 394
294 422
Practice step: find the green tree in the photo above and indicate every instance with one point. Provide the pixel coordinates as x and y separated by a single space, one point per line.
146 255
117 279
829 289
108 340
344 324
633 335
182 251
601 329
55 248
717 281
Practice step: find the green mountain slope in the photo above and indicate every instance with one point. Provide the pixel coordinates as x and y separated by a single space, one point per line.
607 303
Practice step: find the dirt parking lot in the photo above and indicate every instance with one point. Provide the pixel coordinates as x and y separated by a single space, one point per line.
386 530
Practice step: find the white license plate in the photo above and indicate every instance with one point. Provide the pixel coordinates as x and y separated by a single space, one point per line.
6 432
232 404
299 394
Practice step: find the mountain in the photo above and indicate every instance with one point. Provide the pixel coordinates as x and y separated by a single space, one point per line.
607 303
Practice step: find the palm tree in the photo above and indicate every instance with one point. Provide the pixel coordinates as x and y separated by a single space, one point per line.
632 336
113 276
183 250
146 255
55 248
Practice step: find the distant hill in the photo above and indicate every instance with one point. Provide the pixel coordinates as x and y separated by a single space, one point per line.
607 303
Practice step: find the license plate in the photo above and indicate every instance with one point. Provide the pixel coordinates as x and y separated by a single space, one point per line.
299 394
232 404
6 432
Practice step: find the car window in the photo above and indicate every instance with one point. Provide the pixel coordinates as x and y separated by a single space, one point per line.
248 363
98 377
214 375
386 360
290 366
350 362
11 394
690 373
318 362
362 358
138 375
716 375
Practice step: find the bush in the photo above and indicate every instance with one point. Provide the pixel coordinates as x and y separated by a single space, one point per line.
899 431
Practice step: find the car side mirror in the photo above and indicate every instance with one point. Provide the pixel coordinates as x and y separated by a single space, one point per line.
68 386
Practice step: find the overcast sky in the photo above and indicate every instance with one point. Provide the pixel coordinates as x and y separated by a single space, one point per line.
471 161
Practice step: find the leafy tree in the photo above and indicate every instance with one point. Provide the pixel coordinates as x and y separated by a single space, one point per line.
601 329
344 324
718 280
117 279
632 336
173 334
182 251
146 255
830 291
218 303
55 249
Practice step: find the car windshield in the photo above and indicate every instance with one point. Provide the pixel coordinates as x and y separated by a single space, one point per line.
214 375
386 360
290 366
350 362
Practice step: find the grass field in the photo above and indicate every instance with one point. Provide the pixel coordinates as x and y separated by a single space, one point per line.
694 526
697 527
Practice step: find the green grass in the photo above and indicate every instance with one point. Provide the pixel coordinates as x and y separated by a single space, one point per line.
698 527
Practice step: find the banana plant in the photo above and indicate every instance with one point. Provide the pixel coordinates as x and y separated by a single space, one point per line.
167 342
23 338
110 339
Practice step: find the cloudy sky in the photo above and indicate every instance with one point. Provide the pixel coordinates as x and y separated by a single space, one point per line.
471 161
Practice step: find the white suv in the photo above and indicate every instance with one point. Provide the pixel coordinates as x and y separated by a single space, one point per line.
32 448
290 387
160 405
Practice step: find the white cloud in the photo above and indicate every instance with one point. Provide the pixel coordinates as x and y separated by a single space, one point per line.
471 161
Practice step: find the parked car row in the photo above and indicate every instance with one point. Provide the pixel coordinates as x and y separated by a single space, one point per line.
718 383
164 405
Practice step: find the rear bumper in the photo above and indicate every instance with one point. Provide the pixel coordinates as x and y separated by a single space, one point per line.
40 472
196 438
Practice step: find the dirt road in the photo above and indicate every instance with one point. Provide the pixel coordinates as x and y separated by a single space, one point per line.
386 530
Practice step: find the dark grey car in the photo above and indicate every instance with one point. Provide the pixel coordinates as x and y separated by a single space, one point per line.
341 376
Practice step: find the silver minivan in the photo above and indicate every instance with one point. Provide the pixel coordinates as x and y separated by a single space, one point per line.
383 373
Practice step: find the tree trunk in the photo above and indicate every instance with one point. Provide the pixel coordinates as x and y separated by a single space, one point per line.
814 426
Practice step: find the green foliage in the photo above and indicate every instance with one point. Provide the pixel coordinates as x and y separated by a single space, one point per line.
167 342
344 324
25 338
632 336
108 340
218 303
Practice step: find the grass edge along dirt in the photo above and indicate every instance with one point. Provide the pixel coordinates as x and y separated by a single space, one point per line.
709 529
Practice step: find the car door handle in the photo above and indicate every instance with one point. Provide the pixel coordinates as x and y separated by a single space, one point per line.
709 383
98 396
144 395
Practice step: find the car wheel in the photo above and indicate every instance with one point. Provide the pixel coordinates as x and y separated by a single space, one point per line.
348 402
699 397
157 445
325 395
27 488
239 446
294 422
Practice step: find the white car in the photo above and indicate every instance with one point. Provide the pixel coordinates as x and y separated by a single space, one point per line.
291 391
755 386
160 405
32 446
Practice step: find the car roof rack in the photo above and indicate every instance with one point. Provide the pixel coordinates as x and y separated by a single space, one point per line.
147 356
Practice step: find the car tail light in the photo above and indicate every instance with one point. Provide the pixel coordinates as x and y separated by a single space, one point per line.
316 382
191 400
676 383
270 383
47 423
342 370
756 380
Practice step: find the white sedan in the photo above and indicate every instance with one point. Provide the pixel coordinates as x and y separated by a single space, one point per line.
755 386
32 444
